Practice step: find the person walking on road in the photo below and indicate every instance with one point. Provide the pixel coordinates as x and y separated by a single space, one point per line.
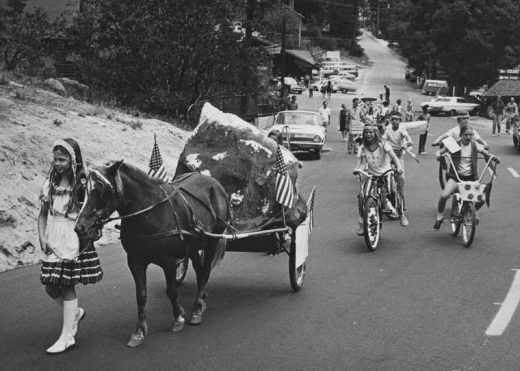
422 137
497 111
64 263
408 112
325 114
343 113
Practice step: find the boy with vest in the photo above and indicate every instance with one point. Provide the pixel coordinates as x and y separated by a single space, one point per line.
465 161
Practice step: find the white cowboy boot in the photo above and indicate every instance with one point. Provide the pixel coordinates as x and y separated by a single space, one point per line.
80 314
66 339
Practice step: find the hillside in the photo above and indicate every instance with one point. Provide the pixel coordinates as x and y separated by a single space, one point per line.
31 119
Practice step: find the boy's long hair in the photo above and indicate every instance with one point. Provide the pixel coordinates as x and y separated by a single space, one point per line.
77 176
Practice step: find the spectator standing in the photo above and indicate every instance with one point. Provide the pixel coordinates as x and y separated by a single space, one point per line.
408 112
293 104
511 113
498 111
329 89
387 93
343 122
422 137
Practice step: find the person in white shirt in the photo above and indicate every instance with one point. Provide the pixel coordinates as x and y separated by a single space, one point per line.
325 114
398 138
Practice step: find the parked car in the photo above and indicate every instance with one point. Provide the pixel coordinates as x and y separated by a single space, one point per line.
435 87
344 85
451 105
318 84
301 131
293 85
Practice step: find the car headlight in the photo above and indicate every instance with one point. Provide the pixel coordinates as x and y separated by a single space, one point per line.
316 139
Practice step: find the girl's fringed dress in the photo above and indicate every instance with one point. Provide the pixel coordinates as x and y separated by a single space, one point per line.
67 265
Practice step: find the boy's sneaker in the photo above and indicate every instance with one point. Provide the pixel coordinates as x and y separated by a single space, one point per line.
360 231
404 221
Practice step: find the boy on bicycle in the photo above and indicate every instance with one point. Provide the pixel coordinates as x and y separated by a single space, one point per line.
398 138
462 119
465 161
375 155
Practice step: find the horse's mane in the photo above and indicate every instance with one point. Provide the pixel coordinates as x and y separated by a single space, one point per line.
132 172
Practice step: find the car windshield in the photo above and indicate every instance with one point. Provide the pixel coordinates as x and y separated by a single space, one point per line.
297 118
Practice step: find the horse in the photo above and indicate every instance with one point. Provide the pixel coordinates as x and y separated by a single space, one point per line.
160 223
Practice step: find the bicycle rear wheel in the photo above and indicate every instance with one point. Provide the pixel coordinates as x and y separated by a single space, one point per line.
371 223
456 215
469 223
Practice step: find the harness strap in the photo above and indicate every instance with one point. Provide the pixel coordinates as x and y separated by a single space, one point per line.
173 209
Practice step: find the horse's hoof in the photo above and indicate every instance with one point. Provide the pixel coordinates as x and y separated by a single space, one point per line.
195 319
178 324
135 340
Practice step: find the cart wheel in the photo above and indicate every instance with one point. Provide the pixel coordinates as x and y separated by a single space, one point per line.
296 274
469 223
182 269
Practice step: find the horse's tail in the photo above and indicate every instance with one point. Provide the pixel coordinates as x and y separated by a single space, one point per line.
220 249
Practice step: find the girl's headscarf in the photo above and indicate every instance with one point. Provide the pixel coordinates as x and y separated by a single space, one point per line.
79 173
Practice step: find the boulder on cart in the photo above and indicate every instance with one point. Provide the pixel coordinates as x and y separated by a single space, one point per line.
242 159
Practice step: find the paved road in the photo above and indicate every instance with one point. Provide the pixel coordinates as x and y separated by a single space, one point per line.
421 302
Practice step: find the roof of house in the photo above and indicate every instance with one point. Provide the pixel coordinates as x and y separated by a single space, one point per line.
55 8
506 88
303 55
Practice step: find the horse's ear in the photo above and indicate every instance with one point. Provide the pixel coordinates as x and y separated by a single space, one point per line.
113 168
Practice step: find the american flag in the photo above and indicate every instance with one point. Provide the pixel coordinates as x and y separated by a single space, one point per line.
310 209
283 186
157 169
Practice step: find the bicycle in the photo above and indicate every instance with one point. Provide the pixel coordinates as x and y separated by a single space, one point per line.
466 201
373 195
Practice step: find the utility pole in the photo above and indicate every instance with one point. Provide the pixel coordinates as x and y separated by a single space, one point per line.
378 10
282 56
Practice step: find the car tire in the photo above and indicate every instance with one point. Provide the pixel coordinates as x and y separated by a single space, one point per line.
317 154
452 112
344 91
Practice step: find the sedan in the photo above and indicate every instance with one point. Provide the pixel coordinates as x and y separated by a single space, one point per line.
450 105
301 131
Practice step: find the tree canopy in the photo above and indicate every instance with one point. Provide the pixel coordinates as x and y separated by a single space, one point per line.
468 39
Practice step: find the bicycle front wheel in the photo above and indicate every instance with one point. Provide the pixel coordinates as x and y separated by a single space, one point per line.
469 223
456 216
371 223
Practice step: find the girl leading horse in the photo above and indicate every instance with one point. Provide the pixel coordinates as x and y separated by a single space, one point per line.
160 223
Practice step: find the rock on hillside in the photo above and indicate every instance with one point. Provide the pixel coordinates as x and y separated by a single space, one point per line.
31 119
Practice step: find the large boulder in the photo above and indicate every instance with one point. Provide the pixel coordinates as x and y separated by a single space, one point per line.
75 89
242 158
56 86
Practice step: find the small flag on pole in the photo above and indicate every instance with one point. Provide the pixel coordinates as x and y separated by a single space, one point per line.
283 186
310 209
157 169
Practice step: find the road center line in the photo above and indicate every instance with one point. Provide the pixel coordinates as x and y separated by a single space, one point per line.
507 309
513 172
